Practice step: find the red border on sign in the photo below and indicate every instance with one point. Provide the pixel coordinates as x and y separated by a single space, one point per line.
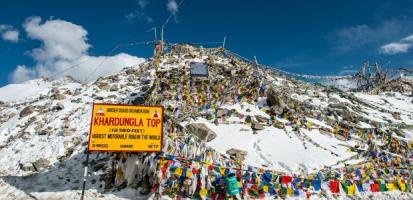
90 128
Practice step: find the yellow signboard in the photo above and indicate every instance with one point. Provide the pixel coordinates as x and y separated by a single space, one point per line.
126 128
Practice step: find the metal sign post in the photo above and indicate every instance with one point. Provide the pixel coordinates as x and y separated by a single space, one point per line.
85 175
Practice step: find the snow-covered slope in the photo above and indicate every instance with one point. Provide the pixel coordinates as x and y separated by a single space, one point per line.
22 91
297 128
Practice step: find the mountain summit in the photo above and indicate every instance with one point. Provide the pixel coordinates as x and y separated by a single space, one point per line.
223 115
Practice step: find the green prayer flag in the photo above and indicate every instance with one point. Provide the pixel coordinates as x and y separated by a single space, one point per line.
344 186
382 187
408 187
283 190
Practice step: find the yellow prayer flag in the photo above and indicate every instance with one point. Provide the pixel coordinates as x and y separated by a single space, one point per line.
402 186
265 188
178 171
203 192
390 186
351 189
188 173
290 191
222 171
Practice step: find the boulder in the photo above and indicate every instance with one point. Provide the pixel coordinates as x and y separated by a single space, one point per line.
41 164
59 106
338 106
44 132
130 71
257 126
201 131
248 119
261 119
114 87
333 100
396 115
26 111
103 85
67 132
139 100
325 131
77 91
112 96
273 99
277 110
278 124
27 167
237 154
59 96
11 115
114 78
221 112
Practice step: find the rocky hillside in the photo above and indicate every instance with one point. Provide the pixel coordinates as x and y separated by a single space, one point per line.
240 116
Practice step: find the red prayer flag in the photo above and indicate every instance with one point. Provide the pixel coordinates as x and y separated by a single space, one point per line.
308 195
286 179
334 186
374 187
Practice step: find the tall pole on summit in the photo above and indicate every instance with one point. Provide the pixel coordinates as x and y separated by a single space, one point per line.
166 22
223 42
162 38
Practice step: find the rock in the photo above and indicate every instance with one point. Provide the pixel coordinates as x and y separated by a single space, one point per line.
59 96
114 87
261 119
248 119
338 106
257 126
333 100
44 132
396 115
26 111
103 85
98 98
41 164
237 154
201 131
273 98
59 106
130 71
77 91
277 110
221 112
278 124
146 81
11 115
139 100
145 88
112 96
27 167
67 132
325 131
114 78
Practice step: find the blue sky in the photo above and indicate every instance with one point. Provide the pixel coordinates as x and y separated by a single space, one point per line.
312 37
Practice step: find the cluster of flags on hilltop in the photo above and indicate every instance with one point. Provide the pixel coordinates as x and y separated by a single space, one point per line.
187 169
181 177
